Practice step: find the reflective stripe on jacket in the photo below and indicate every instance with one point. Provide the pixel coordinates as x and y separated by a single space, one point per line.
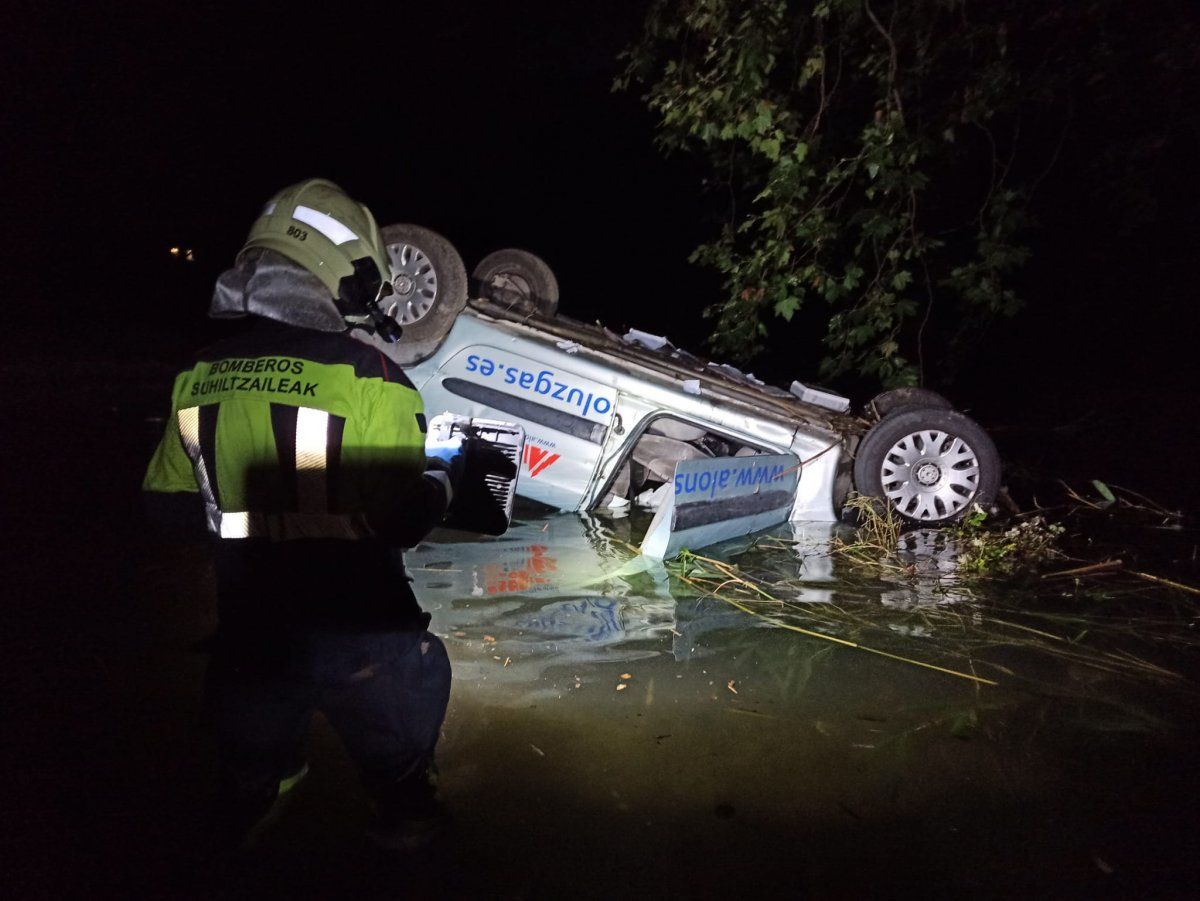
289 433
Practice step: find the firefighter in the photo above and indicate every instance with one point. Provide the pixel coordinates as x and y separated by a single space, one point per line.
302 444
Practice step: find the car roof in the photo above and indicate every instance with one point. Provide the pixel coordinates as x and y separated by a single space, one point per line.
668 365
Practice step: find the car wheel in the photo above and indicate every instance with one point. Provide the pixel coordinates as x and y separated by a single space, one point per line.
430 285
932 466
518 280
891 401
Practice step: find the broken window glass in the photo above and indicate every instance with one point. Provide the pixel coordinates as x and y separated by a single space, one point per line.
644 478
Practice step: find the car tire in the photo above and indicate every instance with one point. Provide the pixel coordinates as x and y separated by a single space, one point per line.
891 401
518 280
430 285
932 466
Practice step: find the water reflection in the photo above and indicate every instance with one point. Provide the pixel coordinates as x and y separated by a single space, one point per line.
573 588
935 579
558 591
589 678
567 589
559 594
594 621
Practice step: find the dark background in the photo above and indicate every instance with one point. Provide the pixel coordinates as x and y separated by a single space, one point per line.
133 128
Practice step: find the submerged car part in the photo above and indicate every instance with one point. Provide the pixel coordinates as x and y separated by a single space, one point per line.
712 500
611 418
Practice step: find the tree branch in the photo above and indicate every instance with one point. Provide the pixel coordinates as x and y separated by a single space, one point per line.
893 94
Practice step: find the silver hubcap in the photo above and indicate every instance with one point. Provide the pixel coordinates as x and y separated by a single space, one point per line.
414 280
930 475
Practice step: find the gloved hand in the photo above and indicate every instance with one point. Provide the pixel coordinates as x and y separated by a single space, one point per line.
448 456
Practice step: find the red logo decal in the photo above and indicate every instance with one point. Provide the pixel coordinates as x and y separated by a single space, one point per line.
538 460
531 576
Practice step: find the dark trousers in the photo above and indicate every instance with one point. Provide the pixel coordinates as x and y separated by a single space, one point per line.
321 625
385 693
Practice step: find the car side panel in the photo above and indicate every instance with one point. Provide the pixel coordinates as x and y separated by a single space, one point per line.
586 459
566 417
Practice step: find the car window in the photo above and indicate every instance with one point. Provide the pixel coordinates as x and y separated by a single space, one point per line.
644 476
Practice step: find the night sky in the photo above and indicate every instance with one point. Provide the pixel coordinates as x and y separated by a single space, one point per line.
135 127
492 124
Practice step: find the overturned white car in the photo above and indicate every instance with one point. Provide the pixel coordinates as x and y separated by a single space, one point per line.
614 420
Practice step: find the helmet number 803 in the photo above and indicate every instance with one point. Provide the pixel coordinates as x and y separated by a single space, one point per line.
297 233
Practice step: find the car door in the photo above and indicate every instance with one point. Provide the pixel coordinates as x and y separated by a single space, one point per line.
627 422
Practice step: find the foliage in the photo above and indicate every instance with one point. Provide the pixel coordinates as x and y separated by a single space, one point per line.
981 548
1124 501
876 535
872 155
992 551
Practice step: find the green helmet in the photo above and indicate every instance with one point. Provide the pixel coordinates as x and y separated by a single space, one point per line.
315 224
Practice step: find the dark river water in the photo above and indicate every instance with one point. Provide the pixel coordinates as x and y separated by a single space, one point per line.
617 731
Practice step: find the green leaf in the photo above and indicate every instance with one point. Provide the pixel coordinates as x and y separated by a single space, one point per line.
787 307
1105 492
790 104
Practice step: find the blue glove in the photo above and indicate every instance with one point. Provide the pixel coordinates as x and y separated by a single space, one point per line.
448 456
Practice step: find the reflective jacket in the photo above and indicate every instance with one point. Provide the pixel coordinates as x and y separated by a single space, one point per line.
288 433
